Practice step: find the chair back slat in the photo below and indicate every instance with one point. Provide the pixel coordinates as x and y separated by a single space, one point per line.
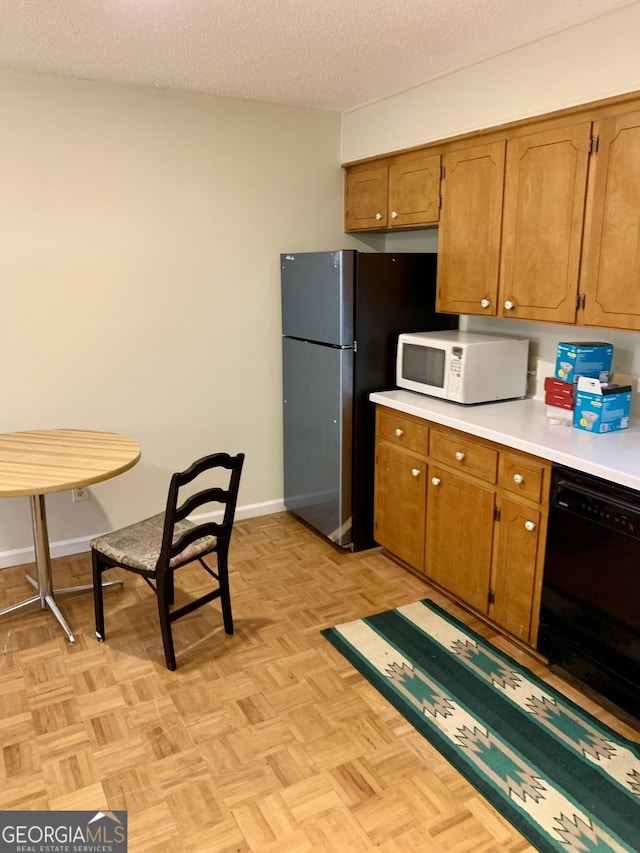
214 460
206 496
209 528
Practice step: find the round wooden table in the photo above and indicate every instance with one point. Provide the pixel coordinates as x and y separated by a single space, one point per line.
37 462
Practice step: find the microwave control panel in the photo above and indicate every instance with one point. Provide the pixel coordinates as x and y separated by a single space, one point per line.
455 370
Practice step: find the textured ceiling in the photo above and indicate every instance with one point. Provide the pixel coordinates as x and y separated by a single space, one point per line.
331 54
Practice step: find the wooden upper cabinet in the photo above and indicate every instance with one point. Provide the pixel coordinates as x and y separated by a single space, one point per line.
470 228
538 220
414 191
610 278
401 192
366 193
543 216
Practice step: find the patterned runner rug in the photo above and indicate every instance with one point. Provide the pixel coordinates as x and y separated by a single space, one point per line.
566 781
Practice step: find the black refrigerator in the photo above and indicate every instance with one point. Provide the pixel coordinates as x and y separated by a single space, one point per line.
341 315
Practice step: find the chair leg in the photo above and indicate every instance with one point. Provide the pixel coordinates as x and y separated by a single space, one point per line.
98 604
164 594
225 593
171 589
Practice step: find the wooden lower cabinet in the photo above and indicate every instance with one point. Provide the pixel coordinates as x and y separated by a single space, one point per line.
400 485
470 514
515 568
459 535
400 501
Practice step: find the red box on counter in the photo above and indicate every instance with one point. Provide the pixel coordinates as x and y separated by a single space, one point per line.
559 388
561 401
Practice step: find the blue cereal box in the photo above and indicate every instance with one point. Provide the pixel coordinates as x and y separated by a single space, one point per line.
602 407
587 358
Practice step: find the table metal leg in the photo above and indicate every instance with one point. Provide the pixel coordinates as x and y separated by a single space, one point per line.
41 547
71 590
20 605
43 562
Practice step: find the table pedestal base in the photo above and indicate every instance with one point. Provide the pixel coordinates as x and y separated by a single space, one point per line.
49 601
44 585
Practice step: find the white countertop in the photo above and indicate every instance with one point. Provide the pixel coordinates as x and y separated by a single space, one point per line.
521 424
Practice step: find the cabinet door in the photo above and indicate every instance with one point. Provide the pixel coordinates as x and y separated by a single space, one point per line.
544 198
459 536
400 501
469 235
611 267
414 192
516 560
366 199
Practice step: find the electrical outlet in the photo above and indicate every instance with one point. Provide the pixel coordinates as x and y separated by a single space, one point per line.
81 494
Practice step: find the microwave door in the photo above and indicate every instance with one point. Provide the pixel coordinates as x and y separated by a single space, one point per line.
423 368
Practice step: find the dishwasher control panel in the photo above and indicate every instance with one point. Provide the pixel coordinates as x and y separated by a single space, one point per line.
612 509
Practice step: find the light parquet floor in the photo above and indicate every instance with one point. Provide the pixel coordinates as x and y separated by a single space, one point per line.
264 741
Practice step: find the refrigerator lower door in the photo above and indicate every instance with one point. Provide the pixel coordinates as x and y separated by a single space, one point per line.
317 411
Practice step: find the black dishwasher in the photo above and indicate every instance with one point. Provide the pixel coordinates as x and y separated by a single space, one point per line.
590 610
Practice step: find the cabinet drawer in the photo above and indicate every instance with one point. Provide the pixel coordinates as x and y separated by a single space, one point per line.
522 476
402 431
464 454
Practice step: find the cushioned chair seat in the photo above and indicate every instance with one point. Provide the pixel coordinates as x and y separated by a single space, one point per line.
139 544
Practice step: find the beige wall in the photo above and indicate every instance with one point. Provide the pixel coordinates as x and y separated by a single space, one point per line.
595 60
140 233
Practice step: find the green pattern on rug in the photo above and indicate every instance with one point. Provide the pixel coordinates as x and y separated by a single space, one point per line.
565 780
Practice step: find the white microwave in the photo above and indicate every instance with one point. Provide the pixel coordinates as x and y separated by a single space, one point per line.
463 367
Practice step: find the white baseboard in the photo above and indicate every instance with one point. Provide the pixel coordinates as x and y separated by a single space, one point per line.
67 547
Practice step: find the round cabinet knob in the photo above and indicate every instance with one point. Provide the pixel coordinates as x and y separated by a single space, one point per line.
415 472
459 456
509 305
399 432
394 214
378 216
518 478
485 303
435 481
530 525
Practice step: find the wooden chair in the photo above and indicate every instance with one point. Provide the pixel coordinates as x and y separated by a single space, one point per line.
156 547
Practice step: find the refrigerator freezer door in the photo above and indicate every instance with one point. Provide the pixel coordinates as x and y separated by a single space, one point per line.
317 296
317 382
